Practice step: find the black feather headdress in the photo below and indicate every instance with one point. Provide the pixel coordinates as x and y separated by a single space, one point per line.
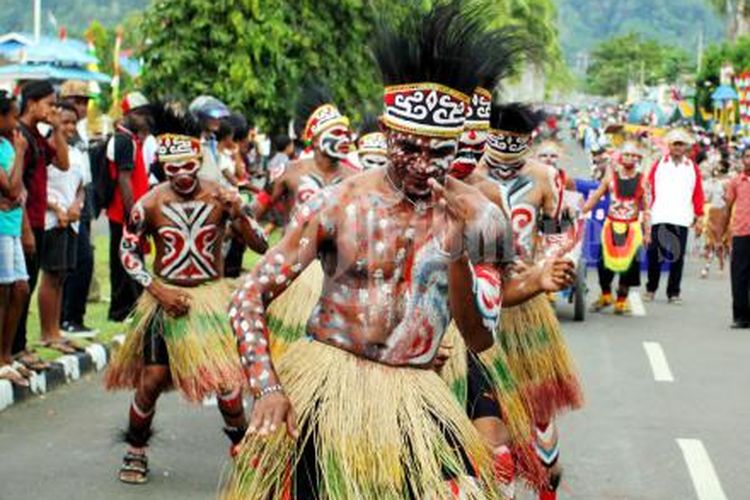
316 112
428 68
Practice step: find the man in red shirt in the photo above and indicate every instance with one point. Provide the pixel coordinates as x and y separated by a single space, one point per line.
37 106
128 167
738 198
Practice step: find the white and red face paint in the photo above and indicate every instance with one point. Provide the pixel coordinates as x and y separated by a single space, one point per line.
183 176
470 151
334 142
416 159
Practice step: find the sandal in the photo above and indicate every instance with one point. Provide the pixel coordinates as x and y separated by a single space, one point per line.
58 345
73 344
7 372
134 468
32 361
20 368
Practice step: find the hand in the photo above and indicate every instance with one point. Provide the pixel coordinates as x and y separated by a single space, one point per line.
53 117
20 144
28 242
556 274
270 412
698 226
173 301
74 213
458 205
62 217
231 200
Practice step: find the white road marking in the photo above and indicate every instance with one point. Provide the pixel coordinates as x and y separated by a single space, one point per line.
705 480
636 303
658 361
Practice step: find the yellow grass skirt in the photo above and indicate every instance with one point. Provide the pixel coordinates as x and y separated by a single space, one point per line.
379 433
203 356
531 338
289 313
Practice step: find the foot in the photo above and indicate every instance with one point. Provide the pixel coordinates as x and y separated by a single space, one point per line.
134 469
648 296
7 372
32 361
704 273
59 345
605 300
77 330
677 301
740 325
622 307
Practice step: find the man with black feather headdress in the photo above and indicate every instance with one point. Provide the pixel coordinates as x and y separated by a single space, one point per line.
179 335
355 410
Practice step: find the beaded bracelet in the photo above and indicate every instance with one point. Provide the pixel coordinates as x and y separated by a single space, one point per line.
269 390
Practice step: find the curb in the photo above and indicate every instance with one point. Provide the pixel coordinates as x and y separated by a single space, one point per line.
64 370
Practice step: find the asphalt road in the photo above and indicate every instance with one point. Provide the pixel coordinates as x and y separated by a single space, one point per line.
665 418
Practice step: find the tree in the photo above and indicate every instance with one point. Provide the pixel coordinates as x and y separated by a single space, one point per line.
255 54
737 14
616 62
737 53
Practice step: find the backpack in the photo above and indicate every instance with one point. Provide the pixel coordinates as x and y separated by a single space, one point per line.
101 177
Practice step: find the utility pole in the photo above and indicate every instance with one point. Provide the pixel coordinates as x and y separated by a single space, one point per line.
37 20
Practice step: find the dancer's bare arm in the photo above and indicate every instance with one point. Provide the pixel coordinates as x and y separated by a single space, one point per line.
270 277
174 303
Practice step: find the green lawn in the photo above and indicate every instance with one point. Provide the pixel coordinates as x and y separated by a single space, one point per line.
96 313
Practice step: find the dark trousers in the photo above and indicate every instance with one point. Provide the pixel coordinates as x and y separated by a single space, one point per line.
76 289
668 244
233 260
32 267
629 278
741 278
124 291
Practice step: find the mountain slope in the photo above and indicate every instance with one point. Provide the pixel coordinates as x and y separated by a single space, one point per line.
584 23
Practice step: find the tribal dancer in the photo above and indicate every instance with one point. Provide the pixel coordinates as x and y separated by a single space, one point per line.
385 303
717 219
372 146
327 133
498 414
180 335
550 153
530 335
622 235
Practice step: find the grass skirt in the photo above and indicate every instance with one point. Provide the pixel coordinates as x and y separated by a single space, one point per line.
379 432
203 357
514 413
539 361
289 313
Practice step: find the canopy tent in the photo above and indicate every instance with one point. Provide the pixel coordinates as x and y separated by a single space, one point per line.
50 71
641 111
724 93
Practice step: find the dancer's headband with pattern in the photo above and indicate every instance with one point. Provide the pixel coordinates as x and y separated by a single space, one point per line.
508 147
426 109
323 118
478 110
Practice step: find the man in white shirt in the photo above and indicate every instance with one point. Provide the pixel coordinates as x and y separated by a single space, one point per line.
676 190
77 284
65 197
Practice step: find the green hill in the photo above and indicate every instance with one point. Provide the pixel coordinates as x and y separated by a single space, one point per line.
75 15
584 23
